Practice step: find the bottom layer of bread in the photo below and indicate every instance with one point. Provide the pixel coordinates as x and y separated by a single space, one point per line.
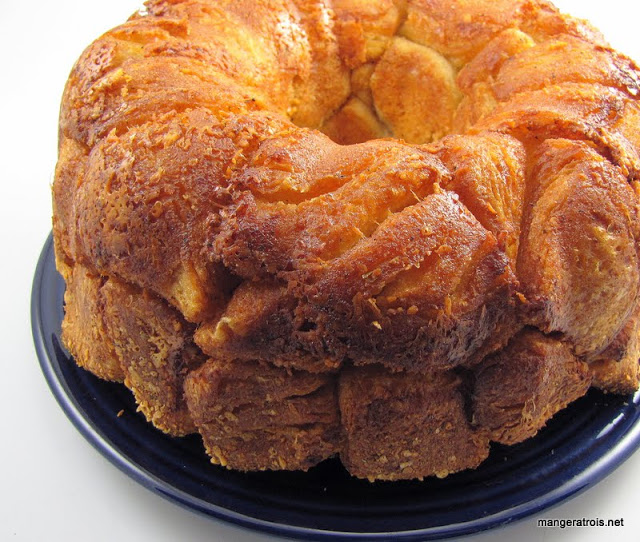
383 425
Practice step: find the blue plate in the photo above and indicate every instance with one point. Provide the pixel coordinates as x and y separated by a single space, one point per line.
579 447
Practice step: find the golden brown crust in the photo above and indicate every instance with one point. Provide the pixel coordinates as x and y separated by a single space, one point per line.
488 174
221 193
394 298
579 258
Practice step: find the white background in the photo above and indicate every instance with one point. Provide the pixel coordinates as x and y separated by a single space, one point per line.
53 485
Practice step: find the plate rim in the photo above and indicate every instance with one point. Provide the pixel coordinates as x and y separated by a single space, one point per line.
596 471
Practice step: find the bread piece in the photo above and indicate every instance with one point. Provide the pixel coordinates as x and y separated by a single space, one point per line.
84 331
402 425
156 352
518 389
579 256
254 416
617 369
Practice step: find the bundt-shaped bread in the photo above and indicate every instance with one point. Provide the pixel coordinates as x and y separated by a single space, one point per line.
388 230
